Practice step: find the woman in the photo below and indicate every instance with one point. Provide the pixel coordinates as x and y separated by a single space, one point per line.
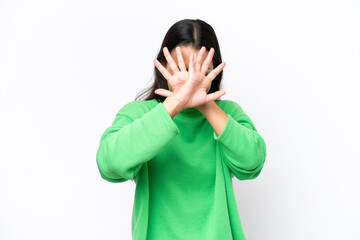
182 144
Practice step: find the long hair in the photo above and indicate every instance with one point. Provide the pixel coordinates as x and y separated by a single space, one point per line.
194 33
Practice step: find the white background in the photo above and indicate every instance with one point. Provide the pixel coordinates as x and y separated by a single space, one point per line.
67 67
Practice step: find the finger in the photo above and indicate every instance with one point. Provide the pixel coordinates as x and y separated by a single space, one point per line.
191 62
215 95
170 60
162 69
180 59
207 61
163 92
199 57
211 76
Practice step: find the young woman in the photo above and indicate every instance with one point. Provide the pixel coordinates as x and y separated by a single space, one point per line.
182 144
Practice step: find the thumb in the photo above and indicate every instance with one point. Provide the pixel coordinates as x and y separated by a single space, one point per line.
214 96
164 92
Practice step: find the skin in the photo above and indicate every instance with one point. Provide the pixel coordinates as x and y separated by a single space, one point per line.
189 88
184 58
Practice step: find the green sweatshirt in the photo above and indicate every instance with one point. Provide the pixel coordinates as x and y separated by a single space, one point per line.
182 170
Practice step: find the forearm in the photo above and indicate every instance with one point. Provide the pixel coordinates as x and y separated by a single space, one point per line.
127 144
215 115
243 148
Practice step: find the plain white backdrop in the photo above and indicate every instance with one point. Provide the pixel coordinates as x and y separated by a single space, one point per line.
67 67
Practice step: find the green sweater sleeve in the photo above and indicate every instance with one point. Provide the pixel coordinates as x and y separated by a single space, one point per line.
129 142
242 147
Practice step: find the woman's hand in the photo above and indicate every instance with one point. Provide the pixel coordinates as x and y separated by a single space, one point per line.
193 92
176 80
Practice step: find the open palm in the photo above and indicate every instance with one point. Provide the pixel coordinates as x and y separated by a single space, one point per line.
193 92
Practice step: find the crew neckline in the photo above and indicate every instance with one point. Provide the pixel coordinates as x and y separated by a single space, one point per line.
189 112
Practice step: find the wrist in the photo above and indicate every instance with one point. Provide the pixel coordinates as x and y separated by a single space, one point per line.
173 105
205 107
